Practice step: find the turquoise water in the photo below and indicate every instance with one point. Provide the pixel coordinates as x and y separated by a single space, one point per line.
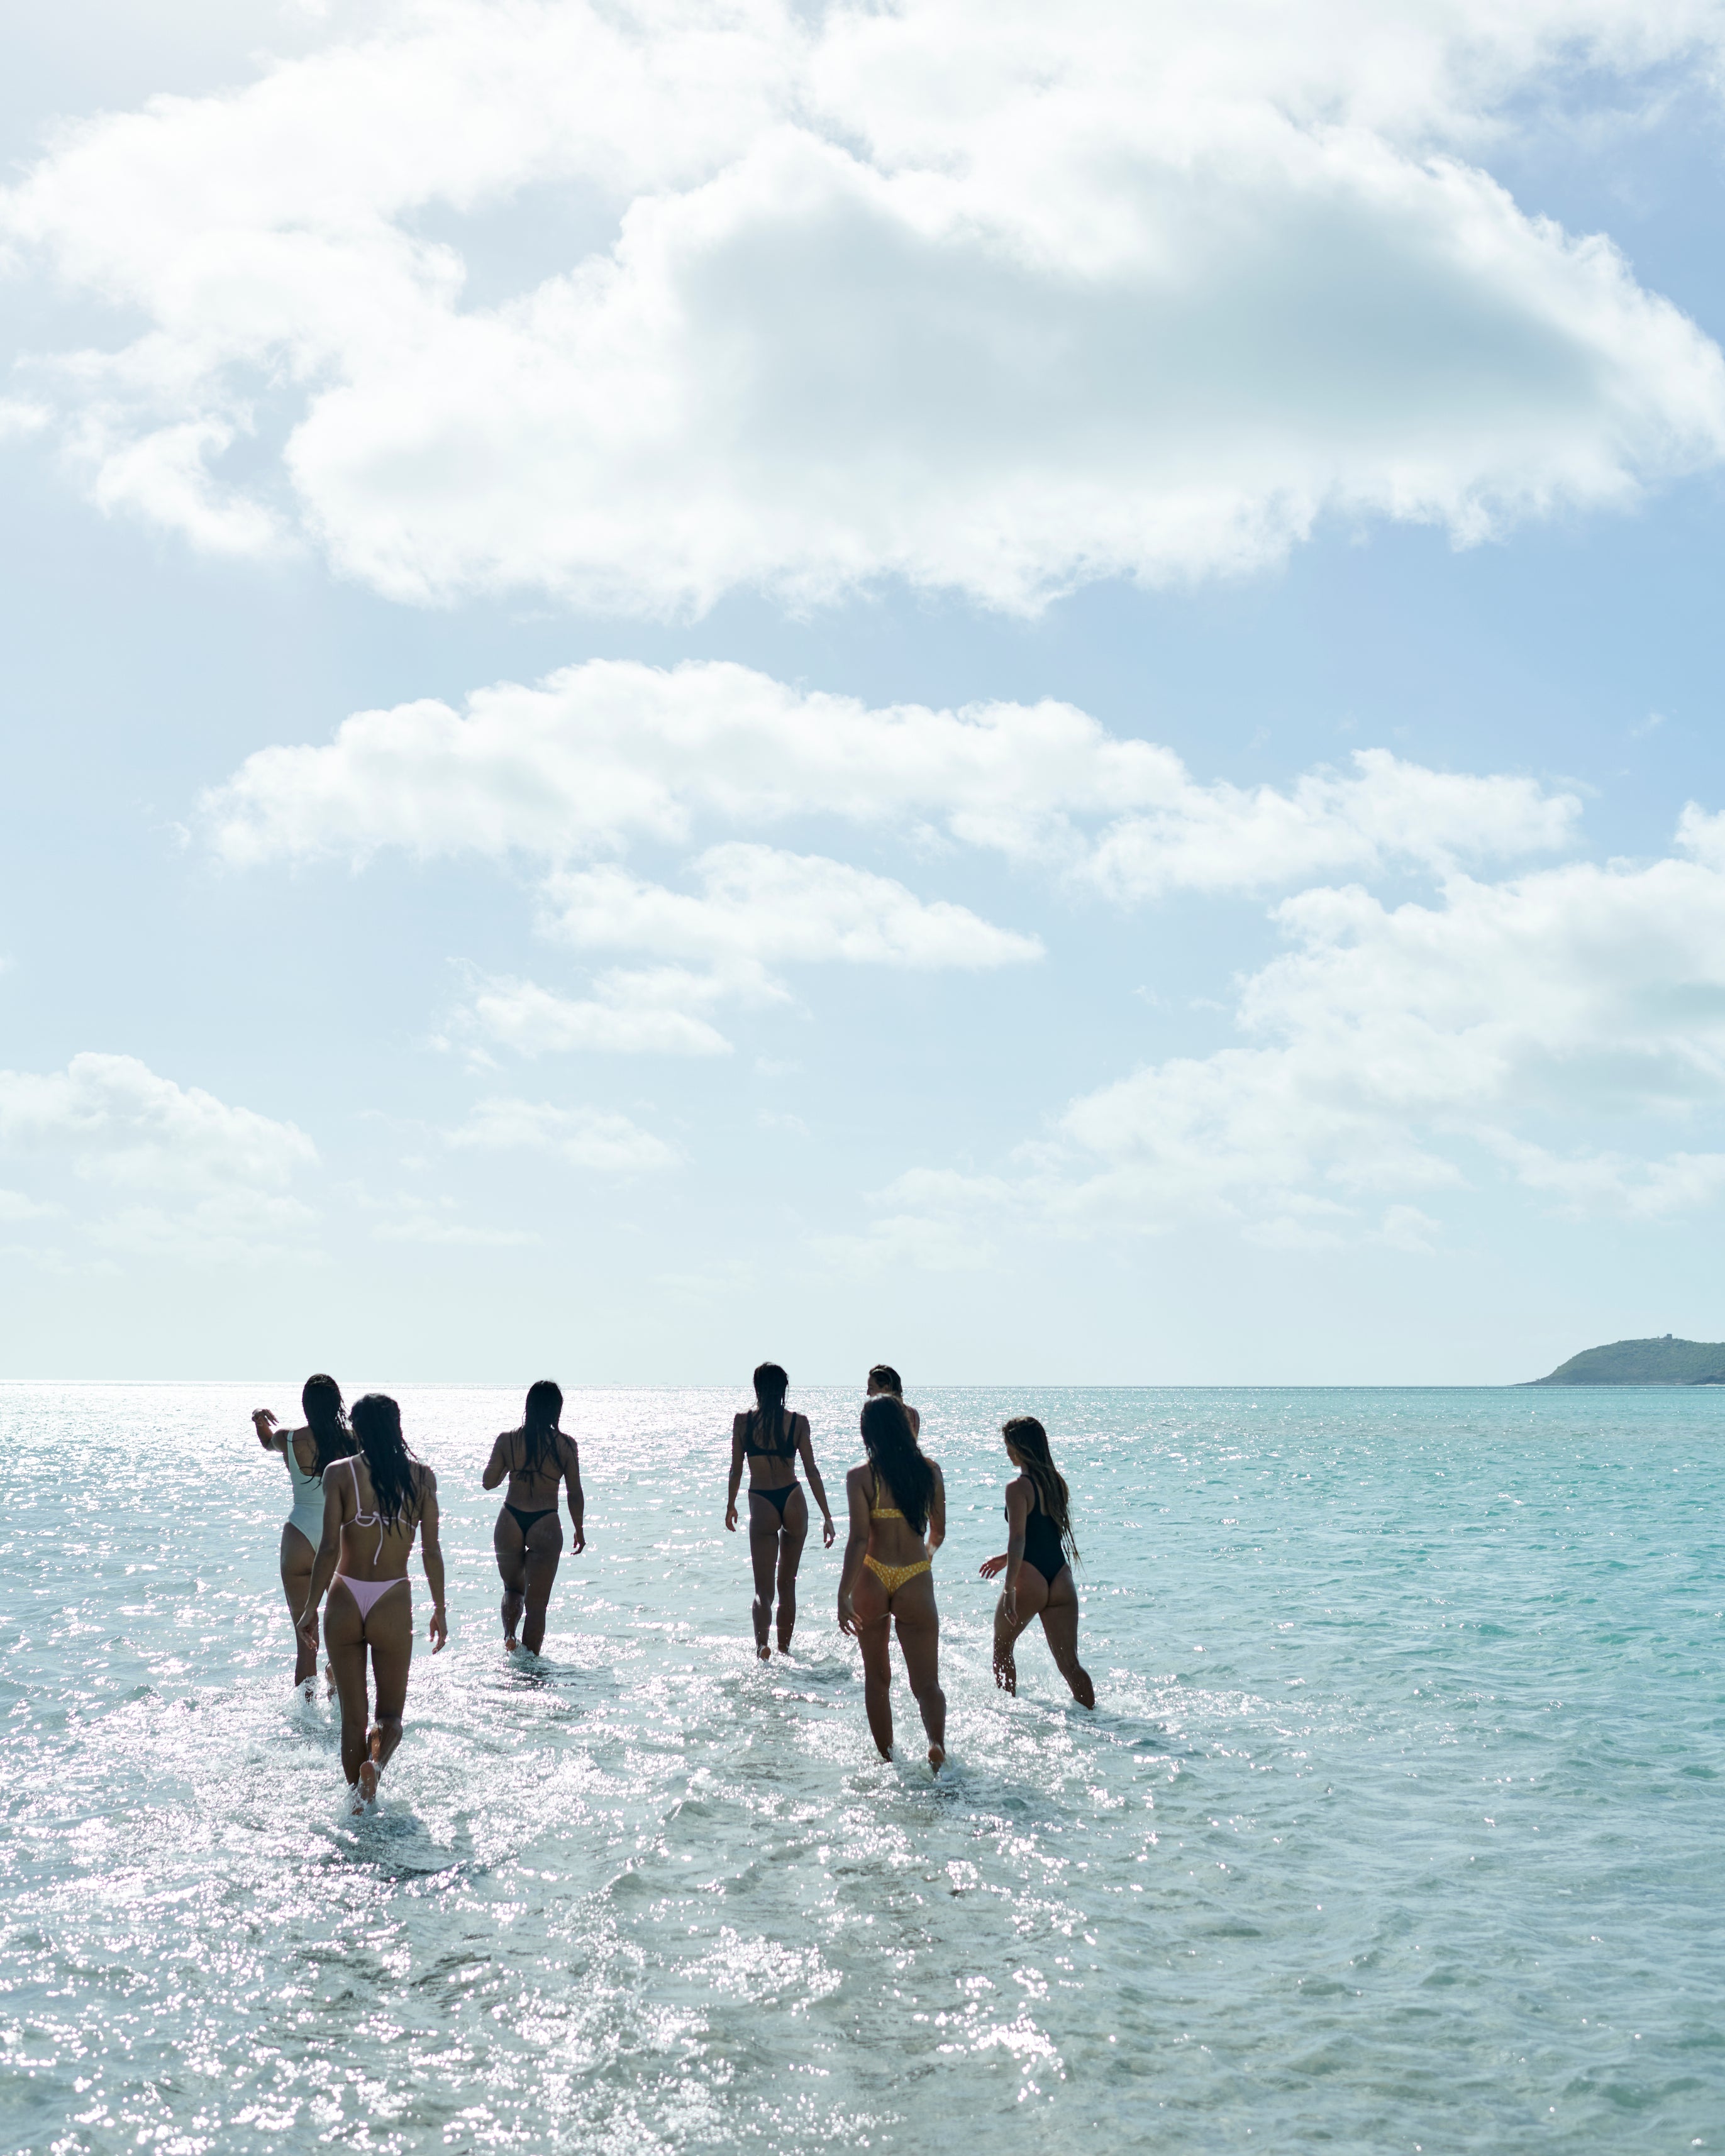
1398 1827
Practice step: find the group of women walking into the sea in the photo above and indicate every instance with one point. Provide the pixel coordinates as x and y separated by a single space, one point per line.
361 1497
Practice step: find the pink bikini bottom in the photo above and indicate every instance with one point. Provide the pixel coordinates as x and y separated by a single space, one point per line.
367 1592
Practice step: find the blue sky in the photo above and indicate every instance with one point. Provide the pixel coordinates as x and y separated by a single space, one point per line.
1034 694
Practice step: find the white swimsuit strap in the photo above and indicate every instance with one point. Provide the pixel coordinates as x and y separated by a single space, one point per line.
370 1519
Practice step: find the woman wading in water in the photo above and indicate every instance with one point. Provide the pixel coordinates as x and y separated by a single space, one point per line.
884 1379
307 1452
771 1439
372 1507
1038 1576
528 1537
898 1519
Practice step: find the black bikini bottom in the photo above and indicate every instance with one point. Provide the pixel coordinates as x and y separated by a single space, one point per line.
526 1520
776 1496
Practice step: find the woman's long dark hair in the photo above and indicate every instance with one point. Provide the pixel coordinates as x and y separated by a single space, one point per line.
320 1403
771 1386
395 1481
897 1459
538 1432
1029 1440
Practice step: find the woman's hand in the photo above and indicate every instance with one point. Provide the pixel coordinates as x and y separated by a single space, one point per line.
264 1424
1009 1605
828 1532
991 1568
307 1626
579 1541
847 1616
731 1517
439 1629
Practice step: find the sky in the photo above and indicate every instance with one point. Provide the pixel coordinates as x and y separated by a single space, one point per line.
1034 692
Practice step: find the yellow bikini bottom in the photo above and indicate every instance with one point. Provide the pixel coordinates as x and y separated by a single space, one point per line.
892 1576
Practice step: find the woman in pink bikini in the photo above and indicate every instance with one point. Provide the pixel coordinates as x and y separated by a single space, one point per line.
373 1506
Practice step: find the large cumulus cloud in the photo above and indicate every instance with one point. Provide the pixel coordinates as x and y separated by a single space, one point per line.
992 299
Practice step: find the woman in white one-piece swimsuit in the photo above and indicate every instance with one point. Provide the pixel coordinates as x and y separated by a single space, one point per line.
307 1452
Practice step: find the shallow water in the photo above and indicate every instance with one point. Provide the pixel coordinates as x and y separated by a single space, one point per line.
1398 1825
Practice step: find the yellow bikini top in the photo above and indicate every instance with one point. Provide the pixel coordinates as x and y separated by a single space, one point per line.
883 1511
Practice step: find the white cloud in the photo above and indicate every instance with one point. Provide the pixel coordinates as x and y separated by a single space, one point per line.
600 754
14 1206
115 1122
989 297
631 1013
1397 1040
1388 814
760 907
584 1137
202 1179
1561 1028
936 1219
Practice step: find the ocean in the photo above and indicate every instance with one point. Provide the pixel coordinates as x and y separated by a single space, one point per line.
1396 1826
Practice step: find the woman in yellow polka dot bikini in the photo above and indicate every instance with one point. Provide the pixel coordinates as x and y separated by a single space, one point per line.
898 1520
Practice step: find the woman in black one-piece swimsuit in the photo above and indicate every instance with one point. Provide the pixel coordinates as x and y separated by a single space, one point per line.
1039 1574
539 1461
771 1439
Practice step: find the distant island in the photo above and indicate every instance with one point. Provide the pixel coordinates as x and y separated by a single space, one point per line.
1665 1361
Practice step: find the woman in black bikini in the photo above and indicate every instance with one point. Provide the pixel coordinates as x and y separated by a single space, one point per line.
1038 1575
771 1439
374 1504
528 1538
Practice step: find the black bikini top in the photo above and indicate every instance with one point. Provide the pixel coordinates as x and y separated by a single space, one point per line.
755 1420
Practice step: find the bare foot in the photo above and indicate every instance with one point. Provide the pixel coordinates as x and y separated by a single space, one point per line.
937 1757
1006 1675
367 1782
765 1653
512 1645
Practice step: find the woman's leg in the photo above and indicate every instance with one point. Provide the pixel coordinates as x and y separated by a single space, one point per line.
1060 1624
344 1635
792 1538
1032 1596
389 1635
918 1623
763 1555
297 1559
544 1550
868 1600
511 1547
